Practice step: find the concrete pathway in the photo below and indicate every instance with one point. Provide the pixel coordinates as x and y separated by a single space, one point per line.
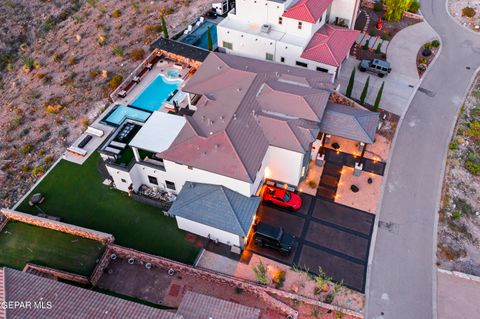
403 49
399 84
457 293
402 278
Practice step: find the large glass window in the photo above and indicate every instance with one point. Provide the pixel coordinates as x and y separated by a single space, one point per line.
152 180
227 45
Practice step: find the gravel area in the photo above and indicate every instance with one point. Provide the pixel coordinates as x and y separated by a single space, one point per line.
455 8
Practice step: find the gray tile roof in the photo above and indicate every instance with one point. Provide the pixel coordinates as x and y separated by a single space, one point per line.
216 206
198 306
68 302
352 123
236 92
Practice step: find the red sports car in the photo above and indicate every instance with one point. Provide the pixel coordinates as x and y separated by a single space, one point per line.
282 197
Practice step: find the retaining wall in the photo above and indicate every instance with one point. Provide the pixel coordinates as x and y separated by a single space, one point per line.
59 226
56 273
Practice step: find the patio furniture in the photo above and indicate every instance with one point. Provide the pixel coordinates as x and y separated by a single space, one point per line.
136 79
354 188
77 151
336 146
112 150
94 131
36 199
118 144
149 66
122 93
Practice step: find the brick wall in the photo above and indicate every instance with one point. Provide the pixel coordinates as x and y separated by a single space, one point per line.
266 294
59 226
60 274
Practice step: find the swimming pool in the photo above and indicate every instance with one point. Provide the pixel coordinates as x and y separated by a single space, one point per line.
199 37
152 98
121 112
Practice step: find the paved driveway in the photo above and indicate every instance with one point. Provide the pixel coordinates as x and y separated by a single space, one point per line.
329 235
399 84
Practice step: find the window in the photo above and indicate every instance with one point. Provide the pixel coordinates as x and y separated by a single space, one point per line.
152 180
301 64
322 69
170 185
282 59
123 180
227 45
269 56
299 25
280 20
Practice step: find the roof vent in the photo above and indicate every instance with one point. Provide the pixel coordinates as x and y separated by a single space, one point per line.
239 89
234 116
266 28
211 133
219 67
246 67
217 146
253 112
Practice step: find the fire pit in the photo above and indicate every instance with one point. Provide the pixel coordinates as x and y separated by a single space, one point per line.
354 188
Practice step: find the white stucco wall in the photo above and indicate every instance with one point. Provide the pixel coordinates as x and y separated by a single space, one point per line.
345 9
205 230
283 165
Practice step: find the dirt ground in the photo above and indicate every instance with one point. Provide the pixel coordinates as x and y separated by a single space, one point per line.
56 61
459 216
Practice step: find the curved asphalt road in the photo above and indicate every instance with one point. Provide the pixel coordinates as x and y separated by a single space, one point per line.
401 280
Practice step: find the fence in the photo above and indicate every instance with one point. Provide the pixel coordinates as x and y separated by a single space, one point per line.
59 274
164 206
59 226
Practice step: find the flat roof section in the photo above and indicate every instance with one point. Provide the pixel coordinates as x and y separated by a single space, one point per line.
175 47
158 133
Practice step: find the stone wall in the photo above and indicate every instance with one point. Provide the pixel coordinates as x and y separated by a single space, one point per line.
59 226
101 265
338 98
59 274
266 294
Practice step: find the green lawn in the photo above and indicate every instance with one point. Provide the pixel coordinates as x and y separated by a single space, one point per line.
76 194
22 243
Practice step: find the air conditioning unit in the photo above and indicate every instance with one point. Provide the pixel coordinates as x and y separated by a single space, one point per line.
266 28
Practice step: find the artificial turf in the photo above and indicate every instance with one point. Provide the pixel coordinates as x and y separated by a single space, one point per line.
22 243
76 194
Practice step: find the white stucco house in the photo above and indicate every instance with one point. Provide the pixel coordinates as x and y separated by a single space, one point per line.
314 34
248 121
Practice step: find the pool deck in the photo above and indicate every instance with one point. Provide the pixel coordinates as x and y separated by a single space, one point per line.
159 68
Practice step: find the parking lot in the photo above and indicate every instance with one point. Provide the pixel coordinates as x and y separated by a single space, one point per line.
329 235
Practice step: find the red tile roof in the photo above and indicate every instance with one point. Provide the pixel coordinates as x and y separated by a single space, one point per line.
307 10
330 45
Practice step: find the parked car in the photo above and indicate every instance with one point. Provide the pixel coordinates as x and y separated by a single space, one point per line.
376 66
274 237
282 197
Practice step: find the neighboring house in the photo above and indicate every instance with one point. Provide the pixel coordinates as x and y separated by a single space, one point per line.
215 212
199 306
293 32
28 296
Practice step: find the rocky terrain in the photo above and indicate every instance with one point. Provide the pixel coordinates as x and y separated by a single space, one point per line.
59 60
459 219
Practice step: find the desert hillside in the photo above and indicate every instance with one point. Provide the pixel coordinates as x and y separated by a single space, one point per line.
58 62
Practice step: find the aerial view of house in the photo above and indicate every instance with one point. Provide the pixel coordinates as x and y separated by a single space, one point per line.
239 159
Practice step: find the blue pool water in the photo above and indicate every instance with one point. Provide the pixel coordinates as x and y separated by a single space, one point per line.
122 112
199 37
152 98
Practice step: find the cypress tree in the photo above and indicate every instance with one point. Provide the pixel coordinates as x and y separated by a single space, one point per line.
350 83
365 91
378 98
209 39
164 27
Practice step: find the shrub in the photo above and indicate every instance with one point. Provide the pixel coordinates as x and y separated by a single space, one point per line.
456 215
376 105
71 60
92 3
38 170
118 51
453 146
27 63
386 36
414 6
473 130
57 57
427 45
48 159
378 50
25 168
378 6
153 28
260 271
115 81
102 39
279 278
365 91
351 83
116 13
468 12
435 43
472 167
137 54
365 46
93 73
423 60
40 75
26 148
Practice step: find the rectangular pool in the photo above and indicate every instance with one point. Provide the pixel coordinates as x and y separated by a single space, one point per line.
152 98
199 36
121 112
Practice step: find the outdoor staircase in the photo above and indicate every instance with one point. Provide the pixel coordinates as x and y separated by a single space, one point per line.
329 180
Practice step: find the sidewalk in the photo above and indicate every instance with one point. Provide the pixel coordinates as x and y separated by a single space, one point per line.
399 84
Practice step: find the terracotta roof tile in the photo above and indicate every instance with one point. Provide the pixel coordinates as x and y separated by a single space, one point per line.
307 10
